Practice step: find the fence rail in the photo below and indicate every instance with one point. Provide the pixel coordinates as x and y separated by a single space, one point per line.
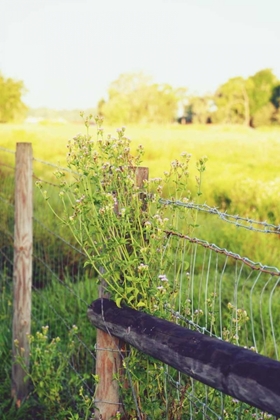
233 370
218 285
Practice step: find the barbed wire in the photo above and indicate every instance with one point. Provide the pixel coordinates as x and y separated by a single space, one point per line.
229 218
7 150
258 266
62 168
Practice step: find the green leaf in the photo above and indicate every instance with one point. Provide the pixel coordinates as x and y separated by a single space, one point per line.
131 289
118 302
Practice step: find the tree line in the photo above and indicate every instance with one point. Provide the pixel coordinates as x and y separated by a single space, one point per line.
134 98
253 101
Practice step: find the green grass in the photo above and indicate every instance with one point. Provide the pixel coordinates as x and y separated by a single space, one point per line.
242 178
242 162
60 305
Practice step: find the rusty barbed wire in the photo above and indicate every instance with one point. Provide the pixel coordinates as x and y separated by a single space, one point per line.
257 266
236 220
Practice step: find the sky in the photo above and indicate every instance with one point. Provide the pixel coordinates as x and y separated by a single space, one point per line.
67 52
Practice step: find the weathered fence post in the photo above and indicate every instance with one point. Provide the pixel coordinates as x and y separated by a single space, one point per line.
108 356
22 274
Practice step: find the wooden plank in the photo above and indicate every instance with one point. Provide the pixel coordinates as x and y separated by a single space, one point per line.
22 275
235 371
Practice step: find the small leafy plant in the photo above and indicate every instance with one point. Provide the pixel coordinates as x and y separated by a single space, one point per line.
51 379
124 231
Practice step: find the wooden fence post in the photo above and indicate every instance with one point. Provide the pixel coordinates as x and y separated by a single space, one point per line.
22 274
108 358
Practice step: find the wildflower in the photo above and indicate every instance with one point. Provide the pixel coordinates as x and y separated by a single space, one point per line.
80 199
198 312
159 189
230 305
143 267
163 277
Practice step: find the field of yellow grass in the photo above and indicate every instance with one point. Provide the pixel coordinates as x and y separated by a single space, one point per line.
242 162
242 173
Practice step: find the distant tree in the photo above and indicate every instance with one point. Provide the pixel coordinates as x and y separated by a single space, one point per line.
261 90
198 110
11 105
275 96
232 101
250 101
264 115
275 100
134 98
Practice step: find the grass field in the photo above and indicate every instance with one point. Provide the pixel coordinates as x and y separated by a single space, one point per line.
241 177
243 162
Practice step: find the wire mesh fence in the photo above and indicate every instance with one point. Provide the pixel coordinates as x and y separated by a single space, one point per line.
208 289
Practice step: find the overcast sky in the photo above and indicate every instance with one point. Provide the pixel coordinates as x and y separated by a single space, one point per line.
68 51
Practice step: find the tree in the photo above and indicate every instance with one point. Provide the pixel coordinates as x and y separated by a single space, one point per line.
199 109
11 105
134 98
252 101
275 97
261 89
264 115
232 101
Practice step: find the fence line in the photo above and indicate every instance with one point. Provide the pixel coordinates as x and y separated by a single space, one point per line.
258 266
229 218
212 270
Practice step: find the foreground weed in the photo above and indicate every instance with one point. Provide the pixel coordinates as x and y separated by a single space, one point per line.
123 230
50 371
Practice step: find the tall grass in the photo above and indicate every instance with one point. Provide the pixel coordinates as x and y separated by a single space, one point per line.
242 172
241 177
